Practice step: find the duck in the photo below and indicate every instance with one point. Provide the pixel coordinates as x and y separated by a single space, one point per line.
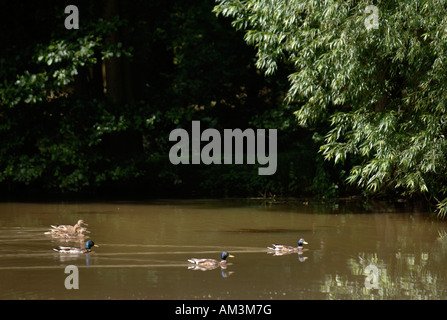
65 228
88 248
279 248
79 233
208 264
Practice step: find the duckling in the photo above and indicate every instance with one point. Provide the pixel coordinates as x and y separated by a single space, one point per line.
289 249
209 264
88 246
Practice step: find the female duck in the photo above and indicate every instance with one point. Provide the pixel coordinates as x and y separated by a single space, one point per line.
289 249
88 248
78 233
211 263
65 228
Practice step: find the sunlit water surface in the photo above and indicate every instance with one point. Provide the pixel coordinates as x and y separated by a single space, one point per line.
144 247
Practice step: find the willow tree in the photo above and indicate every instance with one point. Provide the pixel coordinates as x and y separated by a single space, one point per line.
375 70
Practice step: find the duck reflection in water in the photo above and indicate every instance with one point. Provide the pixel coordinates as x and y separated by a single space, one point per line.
301 258
77 258
223 270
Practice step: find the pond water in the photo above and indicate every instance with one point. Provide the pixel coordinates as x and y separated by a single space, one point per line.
144 247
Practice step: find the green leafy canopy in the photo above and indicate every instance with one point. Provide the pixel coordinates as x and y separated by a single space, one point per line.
382 90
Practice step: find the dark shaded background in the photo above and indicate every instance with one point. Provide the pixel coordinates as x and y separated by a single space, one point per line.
155 66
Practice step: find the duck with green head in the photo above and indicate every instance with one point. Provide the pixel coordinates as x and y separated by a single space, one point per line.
211 263
279 248
88 248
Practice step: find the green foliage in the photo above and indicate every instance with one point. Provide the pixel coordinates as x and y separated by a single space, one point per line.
90 110
71 151
66 58
50 137
381 90
322 185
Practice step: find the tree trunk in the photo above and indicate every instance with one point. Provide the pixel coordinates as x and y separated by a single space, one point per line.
116 71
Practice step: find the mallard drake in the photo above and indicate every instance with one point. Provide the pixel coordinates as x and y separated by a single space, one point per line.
211 263
68 228
88 246
289 249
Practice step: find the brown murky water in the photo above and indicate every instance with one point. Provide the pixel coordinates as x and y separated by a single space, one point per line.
144 249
